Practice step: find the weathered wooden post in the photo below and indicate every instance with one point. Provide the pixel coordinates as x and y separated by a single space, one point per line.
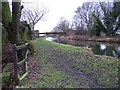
15 63
23 61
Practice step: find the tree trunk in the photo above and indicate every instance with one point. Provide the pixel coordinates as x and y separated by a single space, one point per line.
33 25
12 28
15 21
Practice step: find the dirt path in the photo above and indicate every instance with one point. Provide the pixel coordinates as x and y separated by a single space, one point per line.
72 73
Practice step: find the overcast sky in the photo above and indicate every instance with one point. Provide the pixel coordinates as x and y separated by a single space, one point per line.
57 9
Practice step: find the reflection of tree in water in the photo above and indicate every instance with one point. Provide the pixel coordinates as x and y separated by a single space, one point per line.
108 50
97 50
117 52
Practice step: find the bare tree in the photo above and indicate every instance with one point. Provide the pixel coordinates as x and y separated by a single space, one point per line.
83 15
33 15
63 24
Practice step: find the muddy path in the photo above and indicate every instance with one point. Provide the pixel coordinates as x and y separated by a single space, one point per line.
72 73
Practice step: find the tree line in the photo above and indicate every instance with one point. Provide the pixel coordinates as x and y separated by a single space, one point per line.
94 19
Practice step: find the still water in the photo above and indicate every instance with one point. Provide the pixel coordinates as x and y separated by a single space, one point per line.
108 49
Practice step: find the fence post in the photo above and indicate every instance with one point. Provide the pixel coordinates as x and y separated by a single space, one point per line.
25 57
15 63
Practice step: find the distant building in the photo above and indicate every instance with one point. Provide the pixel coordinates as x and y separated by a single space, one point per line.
70 32
36 33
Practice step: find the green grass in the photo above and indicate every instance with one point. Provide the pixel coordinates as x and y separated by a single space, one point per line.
103 69
49 77
53 78
6 75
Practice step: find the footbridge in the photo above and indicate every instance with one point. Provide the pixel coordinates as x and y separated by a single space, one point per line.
52 33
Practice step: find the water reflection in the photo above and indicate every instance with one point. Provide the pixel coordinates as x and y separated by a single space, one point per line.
103 47
97 48
105 50
51 39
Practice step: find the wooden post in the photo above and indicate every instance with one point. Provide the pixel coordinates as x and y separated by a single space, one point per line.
25 66
15 63
25 70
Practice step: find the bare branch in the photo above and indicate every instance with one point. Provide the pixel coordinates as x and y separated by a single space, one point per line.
33 15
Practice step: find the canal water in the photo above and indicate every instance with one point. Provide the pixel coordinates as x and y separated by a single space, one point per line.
109 49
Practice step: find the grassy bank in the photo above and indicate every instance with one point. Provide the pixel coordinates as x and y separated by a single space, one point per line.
102 69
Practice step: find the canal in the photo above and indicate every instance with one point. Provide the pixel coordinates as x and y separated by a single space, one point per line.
109 49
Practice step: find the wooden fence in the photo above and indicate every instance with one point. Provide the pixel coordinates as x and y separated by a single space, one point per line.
17 63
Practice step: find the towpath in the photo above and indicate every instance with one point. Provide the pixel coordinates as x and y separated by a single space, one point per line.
48 60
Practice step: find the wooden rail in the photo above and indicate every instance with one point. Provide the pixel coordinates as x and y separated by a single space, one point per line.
23 61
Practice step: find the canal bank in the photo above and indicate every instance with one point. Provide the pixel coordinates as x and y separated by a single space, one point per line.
60 65
99 48
93 38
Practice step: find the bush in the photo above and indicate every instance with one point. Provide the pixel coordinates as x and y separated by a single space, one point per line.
31 48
